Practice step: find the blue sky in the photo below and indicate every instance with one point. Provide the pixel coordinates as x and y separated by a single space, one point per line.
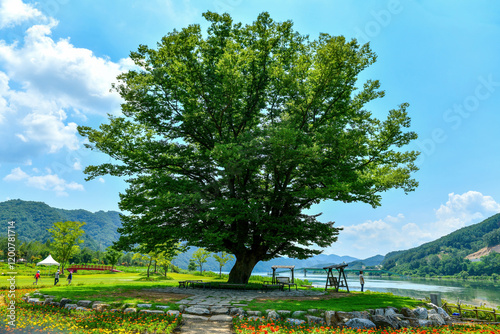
58 59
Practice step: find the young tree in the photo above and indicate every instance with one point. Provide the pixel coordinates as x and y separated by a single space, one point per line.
112 255
200 256
66 237
227 139
222 260
191 265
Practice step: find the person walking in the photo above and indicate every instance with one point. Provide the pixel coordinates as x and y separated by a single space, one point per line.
56 278
37 276
70 277
361 280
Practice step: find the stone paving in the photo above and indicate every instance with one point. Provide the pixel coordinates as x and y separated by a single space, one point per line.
234 298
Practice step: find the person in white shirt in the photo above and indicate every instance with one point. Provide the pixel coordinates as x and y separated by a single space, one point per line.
361 280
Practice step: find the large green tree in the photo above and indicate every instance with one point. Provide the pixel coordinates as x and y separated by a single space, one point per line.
66 237
227 137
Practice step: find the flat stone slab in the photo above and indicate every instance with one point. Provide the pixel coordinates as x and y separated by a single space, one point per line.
144 305
221 317
194 317
197 311
84 303
163 307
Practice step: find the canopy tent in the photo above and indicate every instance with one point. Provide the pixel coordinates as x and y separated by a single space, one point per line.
49 261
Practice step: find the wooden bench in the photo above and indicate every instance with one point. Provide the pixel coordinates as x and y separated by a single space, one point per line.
269 286
182 284
285 281
203 284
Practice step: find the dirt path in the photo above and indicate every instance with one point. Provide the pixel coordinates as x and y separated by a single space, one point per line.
205 327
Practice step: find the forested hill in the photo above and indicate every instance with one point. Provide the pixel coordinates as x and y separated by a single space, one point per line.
33 219
446 255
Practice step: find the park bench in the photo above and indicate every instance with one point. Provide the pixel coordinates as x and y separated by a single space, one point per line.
200 282
285 281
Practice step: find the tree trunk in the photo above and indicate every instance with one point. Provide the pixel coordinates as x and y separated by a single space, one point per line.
149 265
242 269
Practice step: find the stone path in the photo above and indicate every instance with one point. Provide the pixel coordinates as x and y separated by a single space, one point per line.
219 301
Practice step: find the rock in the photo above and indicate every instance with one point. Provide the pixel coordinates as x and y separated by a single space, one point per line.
40 302
379 311
389 312
130 310
437 320
197 310
84 303
237 311
343 317
312 310
152 311
64 301
96 303
48 301
33 300
219 310
273 315
424 323
284 313
253 318
182 308
221 317
295 321
298 314
361 315
359 323
194 317
163 307
83 309
37 294
405 311
382 322
100 307
314 320
70 306
144 305
173 313
420 313
330 318
255 313
443 314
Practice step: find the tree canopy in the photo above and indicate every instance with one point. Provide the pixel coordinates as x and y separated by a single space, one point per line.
226 138
66 237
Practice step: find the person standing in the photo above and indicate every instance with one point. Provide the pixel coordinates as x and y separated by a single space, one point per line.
70 277
56 278
37 276
361 280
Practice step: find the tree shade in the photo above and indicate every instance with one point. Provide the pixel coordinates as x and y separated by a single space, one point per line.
226 139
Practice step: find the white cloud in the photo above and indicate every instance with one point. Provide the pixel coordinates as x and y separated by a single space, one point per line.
14 12
48 182
101 180
57 84
395 233
463 210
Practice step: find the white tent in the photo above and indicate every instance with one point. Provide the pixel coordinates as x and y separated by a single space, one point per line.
49 261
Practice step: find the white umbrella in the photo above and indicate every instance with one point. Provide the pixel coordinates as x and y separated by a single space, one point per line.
49 261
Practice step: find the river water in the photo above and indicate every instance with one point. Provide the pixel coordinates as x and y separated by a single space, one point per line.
469 292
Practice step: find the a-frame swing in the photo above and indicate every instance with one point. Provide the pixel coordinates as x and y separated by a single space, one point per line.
331 280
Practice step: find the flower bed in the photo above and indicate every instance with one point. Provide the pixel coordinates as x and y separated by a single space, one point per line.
245 326
51 319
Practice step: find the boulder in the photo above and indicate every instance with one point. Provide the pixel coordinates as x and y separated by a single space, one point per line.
273 315
65 301
173 313
330 318
359 323
130 310
33 300
152 311
382 322
197 310
406 312
144 305
379 311
420 313
389 312
436 319
83 309
443 314
163 307
47 301
294 321
100 307
182 308
424 323
284 313
70 306
298 314
237 311
361 315
221 310
253 318
315 320
84 303
255 313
